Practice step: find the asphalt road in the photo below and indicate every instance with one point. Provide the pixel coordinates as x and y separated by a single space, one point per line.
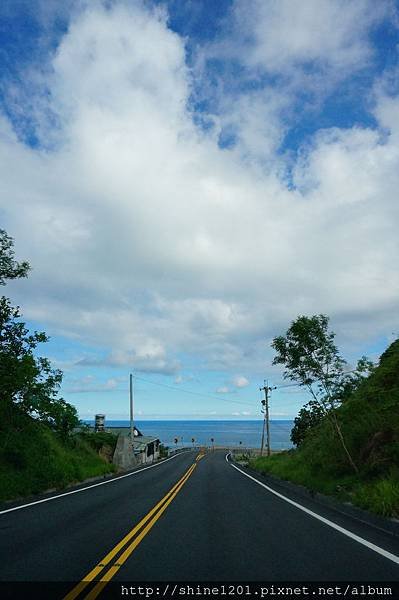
216 525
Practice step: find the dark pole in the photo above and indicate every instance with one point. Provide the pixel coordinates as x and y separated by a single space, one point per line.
131 413
263 434
266 421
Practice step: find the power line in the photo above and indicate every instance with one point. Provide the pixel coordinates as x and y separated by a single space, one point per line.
204 394
285 385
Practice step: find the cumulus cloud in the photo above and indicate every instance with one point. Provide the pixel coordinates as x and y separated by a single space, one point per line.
90 384
150 240
332 33
279 63
146 360
224 389
240 381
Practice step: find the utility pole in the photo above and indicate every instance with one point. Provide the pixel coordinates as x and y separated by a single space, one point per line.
265 403
131 413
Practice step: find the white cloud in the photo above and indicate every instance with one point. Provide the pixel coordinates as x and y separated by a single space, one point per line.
90 384
141 362
224 389
291 59
333 33
150 241
240 381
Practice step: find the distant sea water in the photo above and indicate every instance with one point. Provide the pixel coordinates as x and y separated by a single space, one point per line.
224 433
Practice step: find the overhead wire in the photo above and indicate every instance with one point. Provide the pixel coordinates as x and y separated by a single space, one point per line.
204 394
285 385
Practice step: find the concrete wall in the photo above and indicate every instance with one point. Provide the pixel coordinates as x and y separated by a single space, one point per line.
123 456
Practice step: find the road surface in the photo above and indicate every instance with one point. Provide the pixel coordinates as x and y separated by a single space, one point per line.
193 517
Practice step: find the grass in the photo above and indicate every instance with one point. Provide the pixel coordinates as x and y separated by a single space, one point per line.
33 459
369 424
379 495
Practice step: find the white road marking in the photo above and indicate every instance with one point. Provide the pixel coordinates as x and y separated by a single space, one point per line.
89 487
349 534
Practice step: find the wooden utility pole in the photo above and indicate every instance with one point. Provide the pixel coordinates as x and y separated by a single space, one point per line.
266 424
131 413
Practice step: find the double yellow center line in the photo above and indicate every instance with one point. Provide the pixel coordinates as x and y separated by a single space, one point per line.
142 528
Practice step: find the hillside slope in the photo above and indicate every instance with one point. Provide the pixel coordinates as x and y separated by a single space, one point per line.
369 421
33 458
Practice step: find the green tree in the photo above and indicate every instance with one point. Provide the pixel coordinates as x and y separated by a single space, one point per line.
311 358
313 413
308 417
27 382
9 267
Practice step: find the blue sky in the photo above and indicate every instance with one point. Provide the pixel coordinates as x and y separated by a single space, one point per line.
187 177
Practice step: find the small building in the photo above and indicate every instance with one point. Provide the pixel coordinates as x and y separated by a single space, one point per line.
145 448
99 423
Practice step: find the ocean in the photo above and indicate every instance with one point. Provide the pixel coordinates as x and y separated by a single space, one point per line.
247 434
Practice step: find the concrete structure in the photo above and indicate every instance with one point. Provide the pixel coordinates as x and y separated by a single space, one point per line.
99 423
146 448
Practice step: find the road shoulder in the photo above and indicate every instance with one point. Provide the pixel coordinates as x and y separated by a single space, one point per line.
299 492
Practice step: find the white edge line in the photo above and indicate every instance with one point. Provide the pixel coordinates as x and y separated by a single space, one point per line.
351 535
89 487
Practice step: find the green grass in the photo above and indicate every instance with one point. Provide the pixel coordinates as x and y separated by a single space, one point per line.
33 459
379 495
369 424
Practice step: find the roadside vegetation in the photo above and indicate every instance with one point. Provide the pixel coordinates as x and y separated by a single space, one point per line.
347 436
34 458
42 443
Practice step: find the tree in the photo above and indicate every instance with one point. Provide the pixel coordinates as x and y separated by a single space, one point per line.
311 358
313 413
9 267
308 417
27 383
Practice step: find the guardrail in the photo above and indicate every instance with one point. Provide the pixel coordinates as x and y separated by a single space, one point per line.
235 450
172 451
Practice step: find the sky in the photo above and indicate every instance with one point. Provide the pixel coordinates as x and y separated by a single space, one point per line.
186 177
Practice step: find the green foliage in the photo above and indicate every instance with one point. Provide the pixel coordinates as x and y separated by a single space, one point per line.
308 417
350 382
369 421
313 413
33 459
379 495
310 357
292 466
9 267
99 439
163 451
37 449
27 382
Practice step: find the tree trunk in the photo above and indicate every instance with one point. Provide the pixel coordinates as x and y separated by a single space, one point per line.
341 437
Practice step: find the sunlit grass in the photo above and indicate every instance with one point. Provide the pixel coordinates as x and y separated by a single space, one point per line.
37 460
379 495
